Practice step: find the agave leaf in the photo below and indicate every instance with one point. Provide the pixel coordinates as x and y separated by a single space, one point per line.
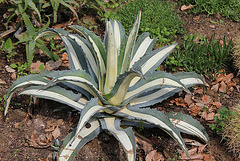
112 59
72 144
189 79
58 94
80 77
99 51
124 136
155 80
143 45
23 82
88 111
186 124
150 62
88 53
75 52
155 117
128 53
116 96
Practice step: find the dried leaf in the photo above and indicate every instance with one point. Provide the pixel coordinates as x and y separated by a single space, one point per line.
192 142
146 146
228 78
56 133
35 66
206 99
199 90
223 87
201 148
184 7
2 81
196 18
210 116
209 157
190 152
51 65
194 109
188 99
217 104
204 115
9 69
215 87
220 77
14 75
179 102
154 156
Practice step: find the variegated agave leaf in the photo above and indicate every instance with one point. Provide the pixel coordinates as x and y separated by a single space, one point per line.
108 81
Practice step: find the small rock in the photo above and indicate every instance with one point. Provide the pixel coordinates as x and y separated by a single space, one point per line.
9 69
212 26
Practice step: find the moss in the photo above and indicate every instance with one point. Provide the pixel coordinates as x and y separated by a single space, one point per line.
232 131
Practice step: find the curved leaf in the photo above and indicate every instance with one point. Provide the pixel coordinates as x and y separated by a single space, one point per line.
74 142
58 94
155 117
124 136
24 82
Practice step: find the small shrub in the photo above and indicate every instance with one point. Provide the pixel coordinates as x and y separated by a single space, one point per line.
203 56
227 8
221 120
231 132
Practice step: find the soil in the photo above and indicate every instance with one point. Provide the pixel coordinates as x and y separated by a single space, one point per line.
24 132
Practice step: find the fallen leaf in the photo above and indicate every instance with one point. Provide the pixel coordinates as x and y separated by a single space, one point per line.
199 90
217 104
201 148
188 99
146 146
209 157
196 18
179 102
232 84
154 156
228 78
14 75
190 152
210 116
204 115
35 66
220 77
39 159
9 69
184 7
194 109
51 65
2 81
206 99
192 142
215 87
223 87
56 133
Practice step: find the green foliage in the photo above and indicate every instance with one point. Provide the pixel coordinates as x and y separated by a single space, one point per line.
203 56
8 47
21 68
227 8
221 120
158 18
108 82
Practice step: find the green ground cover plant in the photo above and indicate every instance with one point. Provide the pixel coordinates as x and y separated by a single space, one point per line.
202 56
159 18
227 8
109 82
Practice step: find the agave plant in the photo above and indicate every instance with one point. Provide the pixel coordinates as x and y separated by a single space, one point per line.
109 82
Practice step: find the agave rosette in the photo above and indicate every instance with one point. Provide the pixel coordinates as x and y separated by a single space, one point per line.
114 79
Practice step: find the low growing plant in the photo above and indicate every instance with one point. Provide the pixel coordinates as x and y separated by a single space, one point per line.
203 56
221 120
227 8
109 82
159 18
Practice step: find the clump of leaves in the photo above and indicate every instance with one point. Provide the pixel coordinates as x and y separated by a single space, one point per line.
221 120
203 56
108 82
232 130
159 18
227 8
7 47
